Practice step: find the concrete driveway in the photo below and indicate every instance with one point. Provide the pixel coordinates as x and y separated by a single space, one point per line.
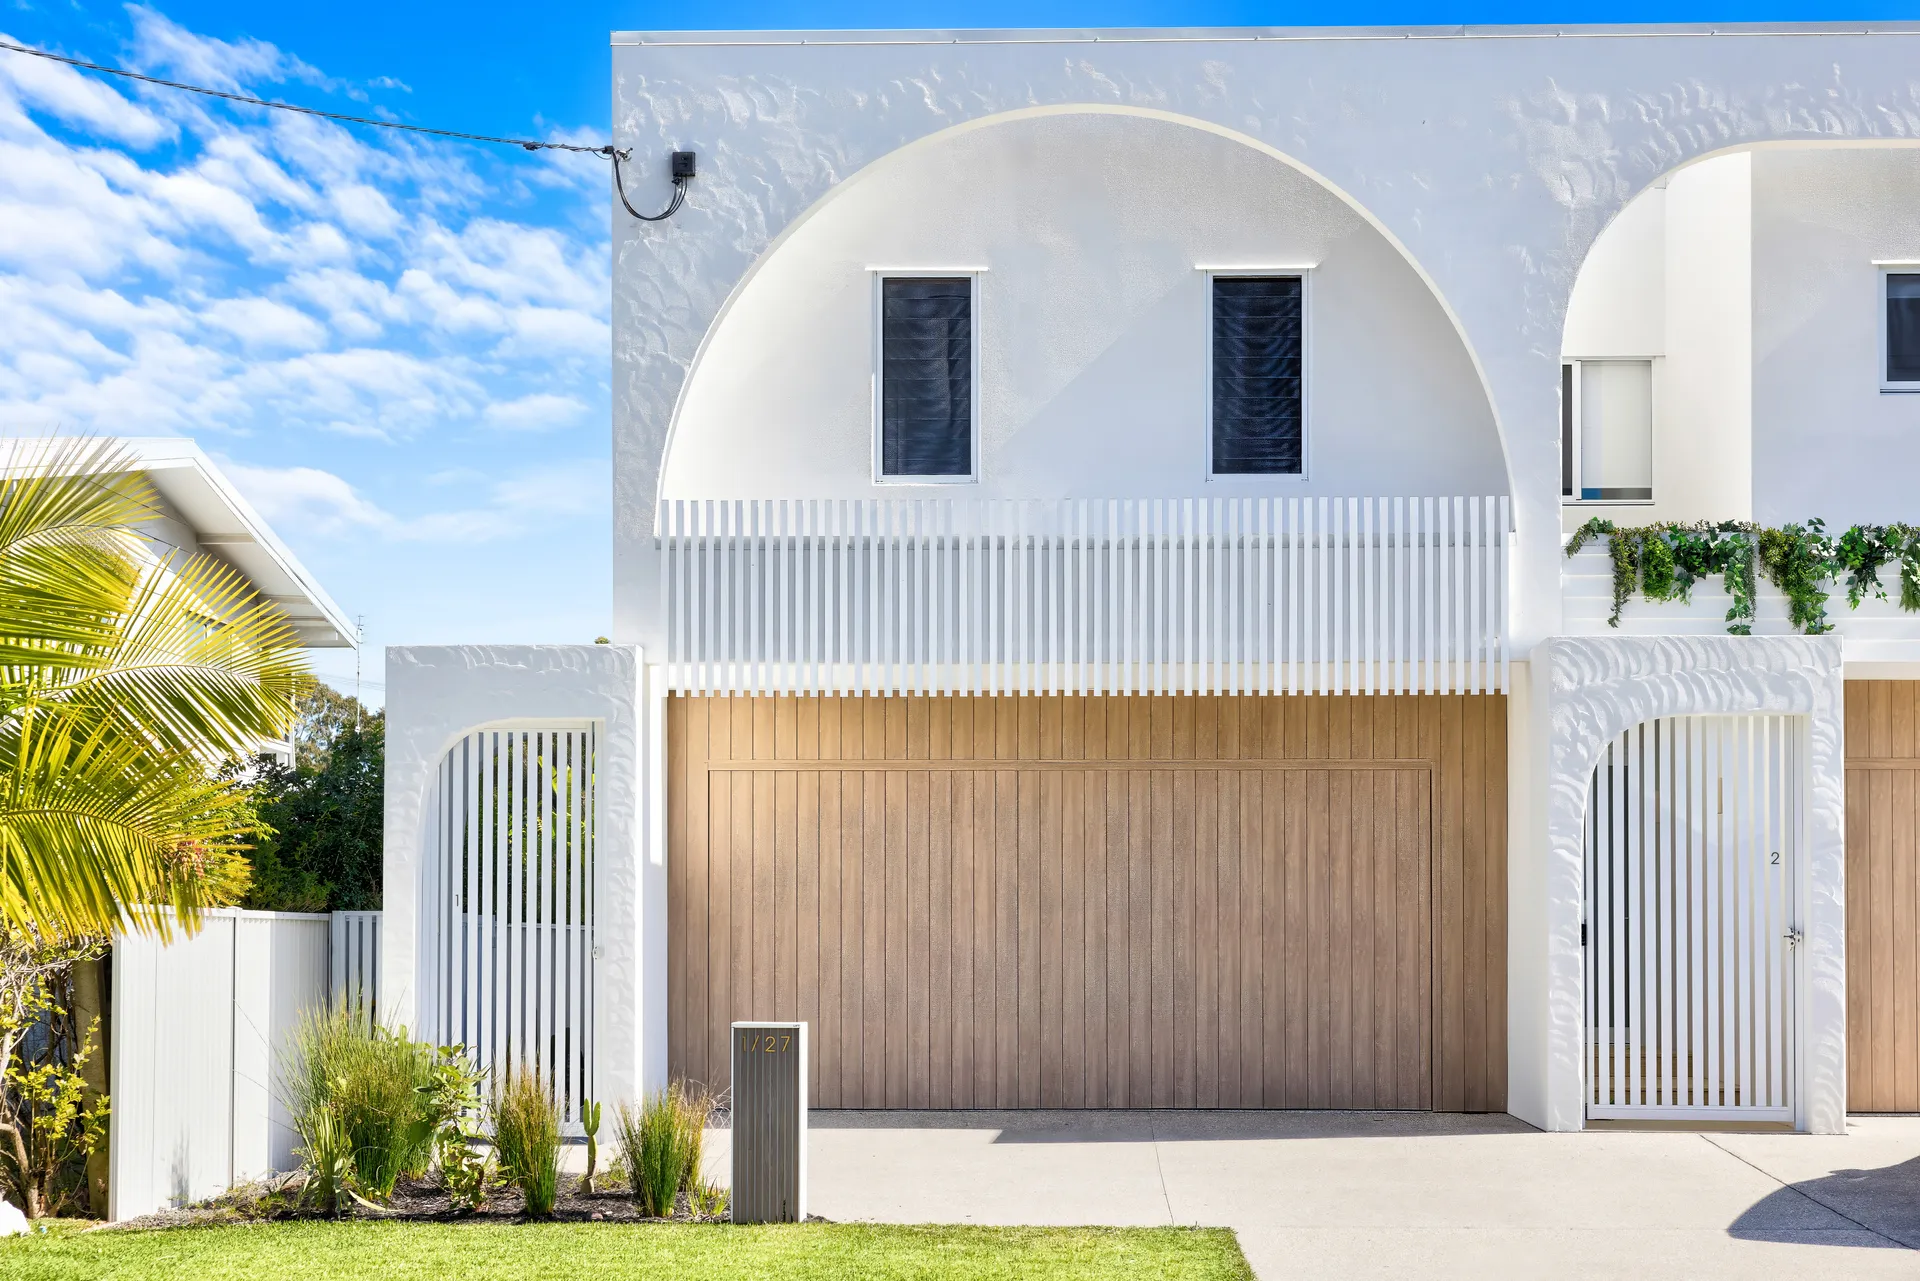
1364 1194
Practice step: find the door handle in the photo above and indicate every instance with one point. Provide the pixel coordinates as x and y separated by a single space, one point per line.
1794 936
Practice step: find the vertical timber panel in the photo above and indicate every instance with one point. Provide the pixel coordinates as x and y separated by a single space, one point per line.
1067 901
1883 882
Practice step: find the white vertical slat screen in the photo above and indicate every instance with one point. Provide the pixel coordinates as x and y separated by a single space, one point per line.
354 944
1691 923
507 937
1211 596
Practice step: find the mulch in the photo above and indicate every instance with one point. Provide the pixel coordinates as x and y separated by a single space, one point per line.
423 1201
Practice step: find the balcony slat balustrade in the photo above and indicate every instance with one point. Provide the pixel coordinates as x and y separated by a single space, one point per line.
1083 596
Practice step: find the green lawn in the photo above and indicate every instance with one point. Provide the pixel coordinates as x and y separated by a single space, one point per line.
367 1251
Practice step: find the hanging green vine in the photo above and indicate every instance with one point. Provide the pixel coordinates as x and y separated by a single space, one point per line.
1663 562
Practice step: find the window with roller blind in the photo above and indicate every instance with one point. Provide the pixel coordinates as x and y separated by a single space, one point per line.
1606 431
1256 412
926 366
1900 331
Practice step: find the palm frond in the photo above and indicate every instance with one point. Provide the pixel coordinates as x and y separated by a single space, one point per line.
98 833
202 665
69 543
126 680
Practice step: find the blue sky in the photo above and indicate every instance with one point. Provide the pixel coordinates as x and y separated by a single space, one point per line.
397 345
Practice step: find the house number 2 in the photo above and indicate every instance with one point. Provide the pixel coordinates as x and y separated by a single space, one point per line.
768 1044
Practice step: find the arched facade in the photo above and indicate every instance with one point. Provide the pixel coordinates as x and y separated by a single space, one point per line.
1092 232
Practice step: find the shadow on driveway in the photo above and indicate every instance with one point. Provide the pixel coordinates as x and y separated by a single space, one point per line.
1886 1202
1177 1125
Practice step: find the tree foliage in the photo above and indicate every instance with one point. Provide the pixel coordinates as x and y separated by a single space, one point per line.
322 852
126 681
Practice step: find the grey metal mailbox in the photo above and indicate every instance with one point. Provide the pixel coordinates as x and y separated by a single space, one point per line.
769 1122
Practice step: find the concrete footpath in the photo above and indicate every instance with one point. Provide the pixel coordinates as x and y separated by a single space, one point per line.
1370 1194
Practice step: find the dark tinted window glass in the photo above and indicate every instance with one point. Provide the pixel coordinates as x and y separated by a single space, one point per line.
926 377
1903 328
1256 375
1566 431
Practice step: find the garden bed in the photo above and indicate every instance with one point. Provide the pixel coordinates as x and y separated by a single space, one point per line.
413 1201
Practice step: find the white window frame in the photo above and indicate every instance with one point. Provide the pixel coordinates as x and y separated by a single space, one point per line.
1653 410
880 276
1239 479
1880 324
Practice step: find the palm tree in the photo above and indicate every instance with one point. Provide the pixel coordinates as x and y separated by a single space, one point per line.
127 682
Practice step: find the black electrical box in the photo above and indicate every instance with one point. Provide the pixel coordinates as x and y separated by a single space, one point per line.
682 165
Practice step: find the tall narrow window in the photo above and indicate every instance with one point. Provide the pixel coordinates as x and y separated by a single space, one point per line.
1903 328
1566 431
926 376
1616 430
1257 420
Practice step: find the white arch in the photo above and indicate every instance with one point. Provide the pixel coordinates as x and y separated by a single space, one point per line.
1067 109
1599 687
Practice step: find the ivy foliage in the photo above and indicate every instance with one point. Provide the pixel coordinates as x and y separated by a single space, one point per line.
1663 562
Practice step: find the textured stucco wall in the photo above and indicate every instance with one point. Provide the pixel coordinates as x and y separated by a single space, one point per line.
438 693
1493 162
1088 231
1595 688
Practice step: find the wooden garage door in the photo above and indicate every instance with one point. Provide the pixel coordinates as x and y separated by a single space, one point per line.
1883 896
1096 902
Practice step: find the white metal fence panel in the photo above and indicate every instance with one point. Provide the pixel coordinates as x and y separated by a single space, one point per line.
199 1027
1693 829
1216 596
356 961
507 942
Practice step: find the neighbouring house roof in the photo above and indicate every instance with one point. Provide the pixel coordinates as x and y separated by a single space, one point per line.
225 526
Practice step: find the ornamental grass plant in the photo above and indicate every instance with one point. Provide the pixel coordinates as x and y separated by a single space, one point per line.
660 1146
526 1139
365 1091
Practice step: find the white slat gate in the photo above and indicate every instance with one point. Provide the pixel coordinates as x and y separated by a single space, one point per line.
507 929
1691 920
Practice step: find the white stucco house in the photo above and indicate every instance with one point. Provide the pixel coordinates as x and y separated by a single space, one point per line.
1093 625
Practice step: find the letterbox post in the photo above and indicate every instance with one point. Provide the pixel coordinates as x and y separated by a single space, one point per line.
769 1131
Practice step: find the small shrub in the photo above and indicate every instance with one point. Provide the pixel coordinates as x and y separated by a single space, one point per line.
328 1153
452 1104
526 1137
660 1147
707 1201
378 1088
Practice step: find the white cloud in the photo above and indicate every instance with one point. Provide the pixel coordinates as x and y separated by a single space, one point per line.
76 98
541 411
313 502
263 323
373 327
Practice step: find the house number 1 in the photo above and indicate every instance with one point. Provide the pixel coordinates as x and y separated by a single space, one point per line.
768 1044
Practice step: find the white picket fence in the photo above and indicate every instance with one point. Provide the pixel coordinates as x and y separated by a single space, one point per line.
1691 920
506 940
1254 595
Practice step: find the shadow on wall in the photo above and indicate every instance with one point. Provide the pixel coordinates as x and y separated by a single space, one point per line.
1177 1126
1876 1209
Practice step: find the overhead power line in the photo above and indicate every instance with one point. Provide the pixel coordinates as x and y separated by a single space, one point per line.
681 161
529 144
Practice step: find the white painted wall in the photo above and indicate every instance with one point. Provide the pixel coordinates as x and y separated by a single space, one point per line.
1703 400
1827 441
1092 323
1671 279
199 1027
438 693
